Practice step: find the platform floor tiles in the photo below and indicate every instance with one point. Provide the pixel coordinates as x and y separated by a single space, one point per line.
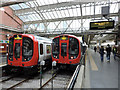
101 74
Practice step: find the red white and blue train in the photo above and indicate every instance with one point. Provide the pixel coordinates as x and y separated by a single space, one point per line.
26 51
67 50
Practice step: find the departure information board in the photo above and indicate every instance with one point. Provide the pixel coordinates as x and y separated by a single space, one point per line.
101 25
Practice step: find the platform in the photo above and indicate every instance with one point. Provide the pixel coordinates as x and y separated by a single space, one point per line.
100 74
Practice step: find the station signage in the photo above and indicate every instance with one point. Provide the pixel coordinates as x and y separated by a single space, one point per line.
102 25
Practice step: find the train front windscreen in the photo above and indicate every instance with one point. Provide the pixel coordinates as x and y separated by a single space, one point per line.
55 48
11 41
27 49
73 47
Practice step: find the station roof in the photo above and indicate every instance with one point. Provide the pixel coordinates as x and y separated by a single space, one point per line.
61 16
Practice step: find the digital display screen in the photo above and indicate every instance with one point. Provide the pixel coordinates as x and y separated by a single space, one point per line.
63 38
101 25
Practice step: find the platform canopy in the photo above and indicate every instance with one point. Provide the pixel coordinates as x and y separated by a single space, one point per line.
61 16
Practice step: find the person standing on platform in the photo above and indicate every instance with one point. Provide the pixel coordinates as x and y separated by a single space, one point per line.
102 53
95 48
108 50
114 51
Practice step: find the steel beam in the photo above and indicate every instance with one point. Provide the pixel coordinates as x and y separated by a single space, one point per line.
11 2
69 18
77 34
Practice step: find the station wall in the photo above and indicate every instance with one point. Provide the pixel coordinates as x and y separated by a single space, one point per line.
9 19
3 34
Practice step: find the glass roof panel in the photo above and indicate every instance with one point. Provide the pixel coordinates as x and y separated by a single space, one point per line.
23 5
15 7
47 11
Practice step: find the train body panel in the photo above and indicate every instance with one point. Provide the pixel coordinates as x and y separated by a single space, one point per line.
25 50
66 49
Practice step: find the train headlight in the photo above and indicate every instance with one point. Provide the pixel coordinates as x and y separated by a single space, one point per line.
71 57
55 56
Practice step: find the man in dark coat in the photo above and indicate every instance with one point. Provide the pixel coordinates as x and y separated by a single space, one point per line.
108 50
102 53
95 48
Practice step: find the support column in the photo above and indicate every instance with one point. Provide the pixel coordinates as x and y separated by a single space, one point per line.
119 13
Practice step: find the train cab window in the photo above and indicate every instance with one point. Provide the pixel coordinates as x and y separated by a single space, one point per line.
55 48
63 49
41 49
73 48
11 41
11 46
27 47
17 50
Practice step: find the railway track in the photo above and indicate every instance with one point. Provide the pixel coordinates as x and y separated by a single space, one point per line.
60 80
7 79
47 82
11 87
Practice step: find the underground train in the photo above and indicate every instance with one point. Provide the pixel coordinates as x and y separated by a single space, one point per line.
67 50
26 51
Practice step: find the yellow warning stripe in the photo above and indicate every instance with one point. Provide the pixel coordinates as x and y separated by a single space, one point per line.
92 62
3 51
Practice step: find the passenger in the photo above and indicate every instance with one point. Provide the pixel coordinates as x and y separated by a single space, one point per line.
114 51
102 53
108 50
95 48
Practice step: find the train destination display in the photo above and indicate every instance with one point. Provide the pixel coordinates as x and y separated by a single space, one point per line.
101 25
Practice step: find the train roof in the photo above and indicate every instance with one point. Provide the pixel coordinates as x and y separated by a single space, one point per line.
79 38
43 39
38 38
66 35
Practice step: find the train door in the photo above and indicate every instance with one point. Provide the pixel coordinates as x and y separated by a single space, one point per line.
41 51
17 50
47 51
64 50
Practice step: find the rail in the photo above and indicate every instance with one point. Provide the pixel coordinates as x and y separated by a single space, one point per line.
74 77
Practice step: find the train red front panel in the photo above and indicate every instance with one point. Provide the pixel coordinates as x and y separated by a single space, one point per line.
65 59
17 61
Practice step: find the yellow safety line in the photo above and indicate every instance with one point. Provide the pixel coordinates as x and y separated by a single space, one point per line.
92 62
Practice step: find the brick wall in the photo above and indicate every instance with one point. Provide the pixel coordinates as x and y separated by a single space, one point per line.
3 34
8 18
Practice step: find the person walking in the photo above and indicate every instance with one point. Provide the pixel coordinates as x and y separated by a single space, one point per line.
108 50
102 53
114 51
95 48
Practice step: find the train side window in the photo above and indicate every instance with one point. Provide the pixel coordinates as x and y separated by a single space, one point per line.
48 48
41 49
